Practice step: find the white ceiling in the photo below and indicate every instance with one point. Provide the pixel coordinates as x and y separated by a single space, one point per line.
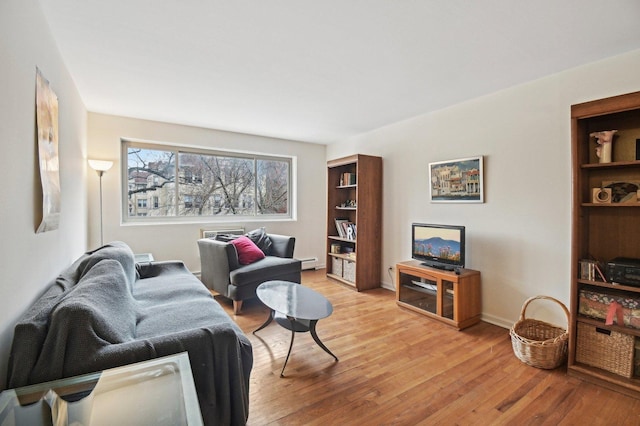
322 70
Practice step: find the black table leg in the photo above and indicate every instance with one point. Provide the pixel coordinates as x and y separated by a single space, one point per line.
293 334
312 329
267 322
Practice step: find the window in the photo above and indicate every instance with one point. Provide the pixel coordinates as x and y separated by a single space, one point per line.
187 182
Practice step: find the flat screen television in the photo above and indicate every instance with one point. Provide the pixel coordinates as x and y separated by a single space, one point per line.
438 246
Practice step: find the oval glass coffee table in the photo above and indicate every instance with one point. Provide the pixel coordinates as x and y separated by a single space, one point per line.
296 308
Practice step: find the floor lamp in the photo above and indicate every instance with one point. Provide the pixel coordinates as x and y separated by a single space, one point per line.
100 166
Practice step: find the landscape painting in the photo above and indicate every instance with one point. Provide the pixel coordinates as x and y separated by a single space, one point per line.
457 181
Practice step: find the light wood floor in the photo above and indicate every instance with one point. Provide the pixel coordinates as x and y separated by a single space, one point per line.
400 368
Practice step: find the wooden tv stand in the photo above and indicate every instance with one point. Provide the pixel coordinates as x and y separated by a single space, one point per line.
453 299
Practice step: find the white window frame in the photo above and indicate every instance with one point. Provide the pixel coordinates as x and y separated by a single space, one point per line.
178 148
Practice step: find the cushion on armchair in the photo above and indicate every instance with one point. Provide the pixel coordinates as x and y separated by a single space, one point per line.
248 252
261 239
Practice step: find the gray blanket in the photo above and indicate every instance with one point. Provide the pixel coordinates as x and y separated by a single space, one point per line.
101 313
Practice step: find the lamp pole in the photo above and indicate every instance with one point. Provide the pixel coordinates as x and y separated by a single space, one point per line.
100 173
100 166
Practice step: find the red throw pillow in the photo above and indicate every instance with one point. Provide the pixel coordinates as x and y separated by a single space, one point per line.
248 252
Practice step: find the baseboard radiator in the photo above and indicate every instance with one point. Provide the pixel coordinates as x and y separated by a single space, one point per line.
211 233
309 263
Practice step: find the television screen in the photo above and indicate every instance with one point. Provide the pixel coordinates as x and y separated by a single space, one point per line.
440 246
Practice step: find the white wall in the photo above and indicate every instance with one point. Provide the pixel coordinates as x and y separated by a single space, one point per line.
520 238
28 261
178 241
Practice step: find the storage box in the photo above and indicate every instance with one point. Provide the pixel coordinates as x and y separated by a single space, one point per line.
349 271
336 266
605 349
596 304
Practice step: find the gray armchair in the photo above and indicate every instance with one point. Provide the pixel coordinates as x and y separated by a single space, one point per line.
221 271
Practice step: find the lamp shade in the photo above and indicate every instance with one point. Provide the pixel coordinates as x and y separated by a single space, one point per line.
100 165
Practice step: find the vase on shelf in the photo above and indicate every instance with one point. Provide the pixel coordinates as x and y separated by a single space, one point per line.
604 141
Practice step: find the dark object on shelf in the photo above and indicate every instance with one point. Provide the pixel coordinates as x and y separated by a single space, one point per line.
624 270
538 343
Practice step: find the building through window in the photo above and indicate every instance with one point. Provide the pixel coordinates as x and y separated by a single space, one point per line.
183 182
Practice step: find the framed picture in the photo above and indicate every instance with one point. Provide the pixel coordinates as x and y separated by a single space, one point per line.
457 181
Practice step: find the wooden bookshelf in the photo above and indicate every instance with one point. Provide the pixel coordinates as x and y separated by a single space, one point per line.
354 195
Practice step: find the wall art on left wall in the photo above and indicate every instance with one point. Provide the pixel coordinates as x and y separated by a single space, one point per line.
47 130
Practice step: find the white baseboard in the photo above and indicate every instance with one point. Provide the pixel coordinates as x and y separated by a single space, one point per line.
388 286
500 322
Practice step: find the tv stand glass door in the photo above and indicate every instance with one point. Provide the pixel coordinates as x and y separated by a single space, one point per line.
450 297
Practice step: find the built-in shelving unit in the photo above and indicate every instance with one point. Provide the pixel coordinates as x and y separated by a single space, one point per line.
354 186
602 231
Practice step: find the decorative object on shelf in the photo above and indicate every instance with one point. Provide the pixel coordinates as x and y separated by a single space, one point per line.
335 248
349 203
604 139
457 181
622 192
538 343
601 195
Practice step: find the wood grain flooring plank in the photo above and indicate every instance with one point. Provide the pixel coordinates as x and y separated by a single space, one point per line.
398 367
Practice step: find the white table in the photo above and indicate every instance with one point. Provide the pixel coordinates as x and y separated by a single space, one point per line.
156 392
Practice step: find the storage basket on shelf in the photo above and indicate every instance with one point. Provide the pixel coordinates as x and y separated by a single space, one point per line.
606 349
538 343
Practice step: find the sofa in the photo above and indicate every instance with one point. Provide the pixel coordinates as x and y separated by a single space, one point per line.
106 311
221 268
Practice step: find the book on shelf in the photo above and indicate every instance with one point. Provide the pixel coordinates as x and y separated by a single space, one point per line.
591 270
346 229
347 179
349 230
340 228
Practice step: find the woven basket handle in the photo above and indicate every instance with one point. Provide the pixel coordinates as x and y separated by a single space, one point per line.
531 299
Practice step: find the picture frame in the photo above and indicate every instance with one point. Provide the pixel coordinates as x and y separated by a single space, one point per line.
457 181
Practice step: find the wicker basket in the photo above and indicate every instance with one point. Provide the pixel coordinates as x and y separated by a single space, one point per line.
538 343
606 349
